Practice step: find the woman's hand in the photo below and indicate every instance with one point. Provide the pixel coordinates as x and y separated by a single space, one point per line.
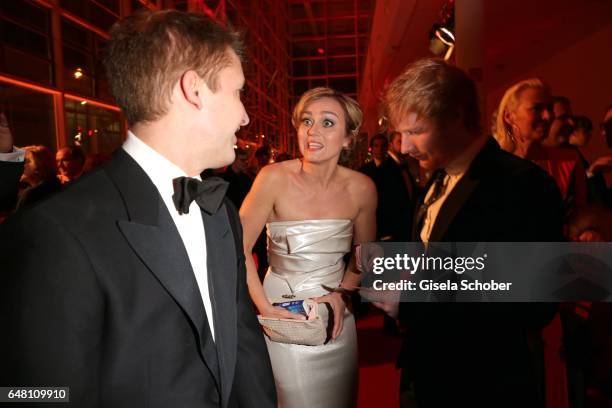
337 304
278 312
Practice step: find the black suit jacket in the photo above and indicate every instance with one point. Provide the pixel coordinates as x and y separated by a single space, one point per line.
98 294
395 204
10 172
470 354
239 186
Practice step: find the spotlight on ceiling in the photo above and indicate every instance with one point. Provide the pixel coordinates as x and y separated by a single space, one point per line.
442 41
442 36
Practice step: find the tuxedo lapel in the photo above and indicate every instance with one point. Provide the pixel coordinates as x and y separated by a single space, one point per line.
222 270
463 190
152 235
451 207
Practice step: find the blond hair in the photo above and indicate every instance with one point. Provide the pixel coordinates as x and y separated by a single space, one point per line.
352 111
435 91
502 131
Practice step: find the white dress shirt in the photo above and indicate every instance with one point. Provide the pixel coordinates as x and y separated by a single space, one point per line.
454 172
190 226
17 155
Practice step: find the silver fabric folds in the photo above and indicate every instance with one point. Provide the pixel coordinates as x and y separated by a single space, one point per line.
303 255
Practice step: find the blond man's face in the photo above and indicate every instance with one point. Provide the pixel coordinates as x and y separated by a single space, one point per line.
223 113
424 140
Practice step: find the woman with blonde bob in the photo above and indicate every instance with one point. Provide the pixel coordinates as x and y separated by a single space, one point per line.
314 210
524 116
523 120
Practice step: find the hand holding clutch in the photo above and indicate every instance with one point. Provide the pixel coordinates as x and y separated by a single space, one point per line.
309 332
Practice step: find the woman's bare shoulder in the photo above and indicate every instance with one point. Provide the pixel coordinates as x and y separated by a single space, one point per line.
277 172
358 182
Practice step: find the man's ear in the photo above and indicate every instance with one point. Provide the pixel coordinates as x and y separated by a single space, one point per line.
508 117
189 84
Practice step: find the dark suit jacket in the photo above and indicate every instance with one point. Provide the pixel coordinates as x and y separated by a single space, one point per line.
395 205
239 186
470 354
97 293
10 172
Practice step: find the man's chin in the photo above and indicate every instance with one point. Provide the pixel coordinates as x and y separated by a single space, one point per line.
228 159
428 165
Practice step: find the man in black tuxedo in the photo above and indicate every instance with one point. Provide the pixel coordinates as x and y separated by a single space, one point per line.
130 287
239 182
468 354
395 203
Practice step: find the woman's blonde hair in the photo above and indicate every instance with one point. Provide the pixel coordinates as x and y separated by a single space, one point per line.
352 111
502 131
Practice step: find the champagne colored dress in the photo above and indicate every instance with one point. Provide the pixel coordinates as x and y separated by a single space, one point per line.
303 255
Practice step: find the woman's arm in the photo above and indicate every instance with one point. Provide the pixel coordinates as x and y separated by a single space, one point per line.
254 213
364 230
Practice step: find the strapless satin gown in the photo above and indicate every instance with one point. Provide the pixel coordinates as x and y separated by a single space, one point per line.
303 255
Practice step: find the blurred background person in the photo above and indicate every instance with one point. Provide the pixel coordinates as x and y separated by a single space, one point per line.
236 175
602 166
395 193
525 119
396 196
39 179
261 158
596 182
70 161
378 151
583 130
416 177
562 124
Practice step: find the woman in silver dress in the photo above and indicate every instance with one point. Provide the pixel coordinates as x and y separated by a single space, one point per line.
314 210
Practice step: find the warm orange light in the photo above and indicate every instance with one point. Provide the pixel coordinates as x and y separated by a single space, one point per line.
83 102
78 73
80 99
51 91
28 85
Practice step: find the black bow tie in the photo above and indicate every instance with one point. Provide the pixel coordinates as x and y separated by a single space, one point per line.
208 194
